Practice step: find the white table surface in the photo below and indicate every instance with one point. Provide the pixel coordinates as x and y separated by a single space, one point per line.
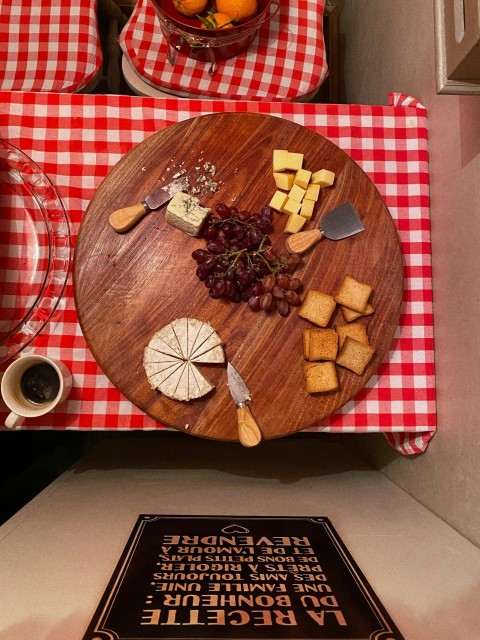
58 553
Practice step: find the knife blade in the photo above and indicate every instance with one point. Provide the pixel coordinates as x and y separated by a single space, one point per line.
339 223
249 432
123 219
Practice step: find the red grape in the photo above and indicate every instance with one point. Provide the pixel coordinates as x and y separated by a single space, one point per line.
239 262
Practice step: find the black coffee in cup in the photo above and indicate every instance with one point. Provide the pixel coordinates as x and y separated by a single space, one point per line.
40 383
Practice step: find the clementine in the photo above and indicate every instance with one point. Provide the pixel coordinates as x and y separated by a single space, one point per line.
190 7
238 10
216 21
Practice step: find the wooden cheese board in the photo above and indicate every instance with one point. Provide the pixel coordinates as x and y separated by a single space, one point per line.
127 286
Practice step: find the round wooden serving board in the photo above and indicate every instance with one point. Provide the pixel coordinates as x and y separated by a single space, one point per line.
129 286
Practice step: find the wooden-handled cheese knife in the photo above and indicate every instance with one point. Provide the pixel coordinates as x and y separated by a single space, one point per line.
123 219
249 432
339 223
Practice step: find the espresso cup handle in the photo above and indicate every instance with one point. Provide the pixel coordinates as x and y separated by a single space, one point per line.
13 420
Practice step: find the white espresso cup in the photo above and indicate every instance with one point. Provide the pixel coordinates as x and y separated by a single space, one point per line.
32 386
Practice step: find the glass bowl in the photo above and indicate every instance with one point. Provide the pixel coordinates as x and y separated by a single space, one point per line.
35 250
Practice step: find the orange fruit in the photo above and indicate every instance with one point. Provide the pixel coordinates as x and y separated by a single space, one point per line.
216 21
190 7
238 10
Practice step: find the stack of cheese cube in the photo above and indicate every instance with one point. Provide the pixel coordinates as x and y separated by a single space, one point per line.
297 188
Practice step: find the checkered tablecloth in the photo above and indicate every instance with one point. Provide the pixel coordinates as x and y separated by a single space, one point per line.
77 139
48 45
286 61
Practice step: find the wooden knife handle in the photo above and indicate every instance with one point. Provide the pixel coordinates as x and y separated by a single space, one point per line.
123 219
300 242
249 432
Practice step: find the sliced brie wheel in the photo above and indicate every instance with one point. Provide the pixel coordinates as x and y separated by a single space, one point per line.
168 359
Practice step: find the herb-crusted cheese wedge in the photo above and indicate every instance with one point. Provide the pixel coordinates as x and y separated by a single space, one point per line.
186 213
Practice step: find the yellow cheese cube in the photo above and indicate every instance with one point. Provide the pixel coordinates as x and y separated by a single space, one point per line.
283 180
324 178
295 223
294 161
312 193
280 157
278 200
296 193
307 208
291 206
302 178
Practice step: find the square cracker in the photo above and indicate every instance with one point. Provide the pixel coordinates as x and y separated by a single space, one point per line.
317 307
355 355
320 344
357 331
320 377
353 294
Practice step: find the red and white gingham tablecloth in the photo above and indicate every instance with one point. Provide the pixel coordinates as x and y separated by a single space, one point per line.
286 61
77 138
48 45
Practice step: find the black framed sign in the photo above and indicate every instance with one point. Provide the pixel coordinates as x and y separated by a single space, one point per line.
199 577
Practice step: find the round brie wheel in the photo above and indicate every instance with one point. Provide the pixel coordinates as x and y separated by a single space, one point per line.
171 353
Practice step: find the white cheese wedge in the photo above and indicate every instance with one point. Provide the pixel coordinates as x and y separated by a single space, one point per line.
157 344
199 385
169 386
180 329
194 328
152 355
186 213
205 332
182 392
167 334
157 379
152 368
210 343
211 356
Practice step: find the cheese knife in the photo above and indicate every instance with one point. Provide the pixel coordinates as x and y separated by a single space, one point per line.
249 432
339 223
124 219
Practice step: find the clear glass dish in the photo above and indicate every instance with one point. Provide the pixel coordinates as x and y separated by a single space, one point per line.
35 250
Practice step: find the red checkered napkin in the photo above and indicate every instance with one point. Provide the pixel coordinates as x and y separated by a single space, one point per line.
388 142
286 61
48 45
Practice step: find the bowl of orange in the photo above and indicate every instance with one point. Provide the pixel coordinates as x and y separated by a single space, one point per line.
209 31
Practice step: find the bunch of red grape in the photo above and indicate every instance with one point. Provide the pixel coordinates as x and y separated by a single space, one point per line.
240 264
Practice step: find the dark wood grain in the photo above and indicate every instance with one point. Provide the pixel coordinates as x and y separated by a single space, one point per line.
129 286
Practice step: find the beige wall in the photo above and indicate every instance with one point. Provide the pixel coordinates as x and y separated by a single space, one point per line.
389 46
